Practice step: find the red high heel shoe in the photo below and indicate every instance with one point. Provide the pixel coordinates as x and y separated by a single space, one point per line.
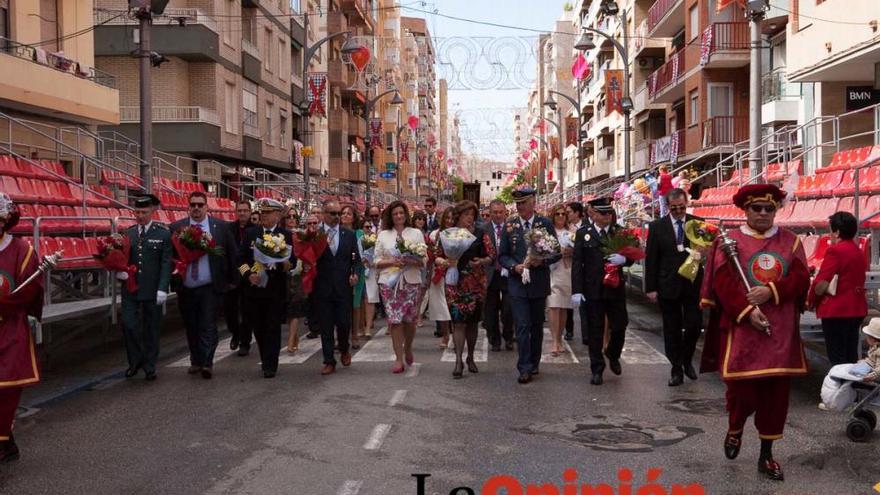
397 369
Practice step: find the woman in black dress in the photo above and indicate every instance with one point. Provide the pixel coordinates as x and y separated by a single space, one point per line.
465 300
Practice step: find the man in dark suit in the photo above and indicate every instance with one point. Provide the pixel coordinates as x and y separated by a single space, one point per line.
678 297
576 220
431 223
235 318
265 307
527 300
332 294
142 310
203 286
602 301
497 299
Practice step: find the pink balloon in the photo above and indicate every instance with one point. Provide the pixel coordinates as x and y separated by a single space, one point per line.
580 69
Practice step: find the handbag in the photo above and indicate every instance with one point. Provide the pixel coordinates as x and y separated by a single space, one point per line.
832 286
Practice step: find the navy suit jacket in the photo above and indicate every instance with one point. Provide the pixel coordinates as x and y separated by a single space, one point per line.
513 252
588 266
333 271
223 267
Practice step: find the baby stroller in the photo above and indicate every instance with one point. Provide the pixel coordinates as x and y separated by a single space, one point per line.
841 389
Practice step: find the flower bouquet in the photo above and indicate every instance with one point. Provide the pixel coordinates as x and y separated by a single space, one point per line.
541 245
566 240
701 235
308 246
626 243
406 250
113 253
191 243
368 250
269 250
455 242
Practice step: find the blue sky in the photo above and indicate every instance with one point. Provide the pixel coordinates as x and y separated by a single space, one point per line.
486 109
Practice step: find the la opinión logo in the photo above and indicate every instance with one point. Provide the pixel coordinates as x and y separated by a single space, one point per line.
510 485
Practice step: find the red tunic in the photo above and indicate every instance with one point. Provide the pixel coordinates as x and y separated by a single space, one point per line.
733 346
18 359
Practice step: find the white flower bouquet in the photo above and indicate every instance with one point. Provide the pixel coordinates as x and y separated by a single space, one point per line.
541 246
368 251
456 241
408 250
269 250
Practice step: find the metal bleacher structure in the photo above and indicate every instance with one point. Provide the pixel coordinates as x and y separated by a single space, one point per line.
73 186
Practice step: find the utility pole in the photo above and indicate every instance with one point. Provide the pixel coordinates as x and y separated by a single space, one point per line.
542 42
756 12
627 108
398 170
146 95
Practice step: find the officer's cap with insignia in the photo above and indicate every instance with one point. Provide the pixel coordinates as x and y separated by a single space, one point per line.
145 201
265 205
601 205
523 193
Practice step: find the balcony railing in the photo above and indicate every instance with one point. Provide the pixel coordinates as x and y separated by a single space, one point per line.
172 16
658 11
250 48
669 74
171 114
725 130
775 87
666 149
56 61
723 37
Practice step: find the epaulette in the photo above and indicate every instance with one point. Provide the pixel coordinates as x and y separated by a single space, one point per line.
161 225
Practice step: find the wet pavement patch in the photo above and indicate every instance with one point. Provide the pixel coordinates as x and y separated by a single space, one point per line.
616 433
702 407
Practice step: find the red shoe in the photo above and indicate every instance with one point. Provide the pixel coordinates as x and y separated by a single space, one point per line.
345 359
410 359
328 369
771 470
397 369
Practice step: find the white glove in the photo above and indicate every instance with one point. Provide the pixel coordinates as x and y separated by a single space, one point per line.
576 300
122 276
616 259
161 297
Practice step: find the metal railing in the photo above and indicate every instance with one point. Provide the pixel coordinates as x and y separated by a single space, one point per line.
175 16
724 130
729 36
56 61
658 11
775 87
171 114
669 74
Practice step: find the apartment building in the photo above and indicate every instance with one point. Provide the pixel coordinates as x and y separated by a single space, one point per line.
558 77
427 105
225 91
391 172
49 76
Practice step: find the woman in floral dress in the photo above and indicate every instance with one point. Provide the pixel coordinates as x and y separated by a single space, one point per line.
465 299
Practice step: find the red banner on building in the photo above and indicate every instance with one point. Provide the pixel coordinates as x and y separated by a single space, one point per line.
723 4
318 93
571 138
613 91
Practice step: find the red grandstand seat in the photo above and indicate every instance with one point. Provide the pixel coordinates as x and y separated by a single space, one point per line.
847 185
807 186
809 242
26 189
784 214
823 209
48 245
9 166
815 261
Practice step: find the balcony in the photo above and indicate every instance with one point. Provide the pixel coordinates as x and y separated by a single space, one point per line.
665 18
251 61
722 131
641 102
781 99
43 82
642 44
666 149
176 114
666 84
337 73
357 126
360 13
725 45
198 40
603 165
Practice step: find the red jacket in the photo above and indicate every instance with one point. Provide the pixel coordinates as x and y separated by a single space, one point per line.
847 261
664 185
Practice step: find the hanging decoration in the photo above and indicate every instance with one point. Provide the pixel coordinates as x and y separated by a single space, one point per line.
706 45
404 151
307 151
525 155
440 154
613 91
432 139
360 58
318 93
375 133
413 122
580 69
533 144
723 4
297 155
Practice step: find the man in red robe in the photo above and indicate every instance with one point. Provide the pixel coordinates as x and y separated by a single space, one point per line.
753 338
18 359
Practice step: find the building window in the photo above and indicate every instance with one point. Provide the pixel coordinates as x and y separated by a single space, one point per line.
249 104
295 6
694 107
269 128
281 71
694 19
231 124
282 129
268 59
296 62
4 24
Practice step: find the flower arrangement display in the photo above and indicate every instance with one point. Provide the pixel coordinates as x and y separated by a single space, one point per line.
455 241
701 234
113 253
308 246
626 243
190 244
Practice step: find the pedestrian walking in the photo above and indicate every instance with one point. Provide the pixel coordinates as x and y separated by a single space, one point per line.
352 221
372 225
438 309
498 318
576 220
431 223
297 301
236 321
559 301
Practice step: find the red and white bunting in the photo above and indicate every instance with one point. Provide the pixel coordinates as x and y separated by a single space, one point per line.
318 93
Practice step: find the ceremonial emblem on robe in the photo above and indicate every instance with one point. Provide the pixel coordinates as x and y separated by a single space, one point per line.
766 267
6 282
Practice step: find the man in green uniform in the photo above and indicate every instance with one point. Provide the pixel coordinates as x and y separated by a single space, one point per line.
142 309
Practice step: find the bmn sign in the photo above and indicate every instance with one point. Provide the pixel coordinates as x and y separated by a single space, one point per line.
861 97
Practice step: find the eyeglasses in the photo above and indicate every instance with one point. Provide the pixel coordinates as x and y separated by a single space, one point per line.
677 207
332 213
764 208
560 214
603 212
197 205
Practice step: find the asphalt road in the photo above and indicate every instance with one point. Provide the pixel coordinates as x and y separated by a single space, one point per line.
365 431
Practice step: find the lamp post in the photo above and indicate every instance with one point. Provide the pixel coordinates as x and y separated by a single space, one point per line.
309 52
558 126
580 145
609 7
368 110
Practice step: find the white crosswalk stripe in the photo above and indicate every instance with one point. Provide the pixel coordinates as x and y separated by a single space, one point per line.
307 348
481 351
378 349
637 351
222 352
567 357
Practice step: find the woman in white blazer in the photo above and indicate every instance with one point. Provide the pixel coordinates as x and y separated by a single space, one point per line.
400 280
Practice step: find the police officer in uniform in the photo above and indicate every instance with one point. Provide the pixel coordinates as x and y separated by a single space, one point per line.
141 311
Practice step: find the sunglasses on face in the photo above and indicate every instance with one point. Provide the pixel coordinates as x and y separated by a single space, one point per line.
332 213
764 208
677 208
603 213
196 205
560 214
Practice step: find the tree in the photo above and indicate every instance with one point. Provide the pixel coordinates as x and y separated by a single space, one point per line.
506 194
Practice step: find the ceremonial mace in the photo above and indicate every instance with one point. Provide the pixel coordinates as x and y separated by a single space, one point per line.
47 264
728 245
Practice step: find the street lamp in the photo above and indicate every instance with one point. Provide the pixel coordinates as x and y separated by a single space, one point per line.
368 110
550 102
558 125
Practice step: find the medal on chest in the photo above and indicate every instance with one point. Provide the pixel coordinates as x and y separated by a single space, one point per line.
764 267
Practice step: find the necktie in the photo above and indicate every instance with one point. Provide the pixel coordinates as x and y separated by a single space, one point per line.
195 265
679 232
331 237
528 225
141 233
497 245
603 234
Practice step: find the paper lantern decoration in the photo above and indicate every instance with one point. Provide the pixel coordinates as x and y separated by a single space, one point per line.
580 69
413 122
360 58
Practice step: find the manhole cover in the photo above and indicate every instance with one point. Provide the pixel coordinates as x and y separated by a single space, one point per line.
703 407
615 433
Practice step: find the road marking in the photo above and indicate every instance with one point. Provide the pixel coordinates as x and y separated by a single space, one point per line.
223 351
350 487
637 351
481 351
397 398
567 357
414 370
307 348
378 349
377 436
